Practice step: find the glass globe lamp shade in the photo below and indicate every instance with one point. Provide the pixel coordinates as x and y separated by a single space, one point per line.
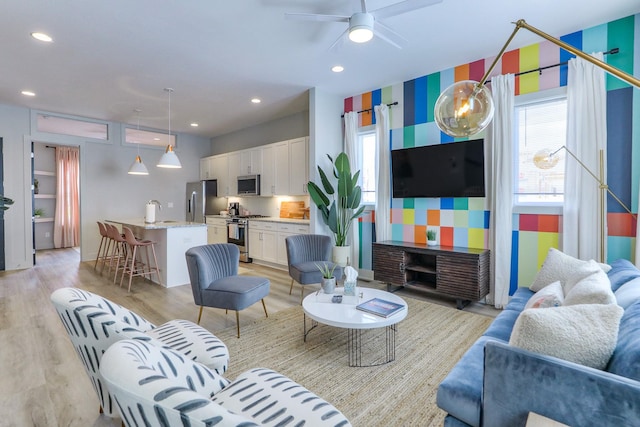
464 108
545 159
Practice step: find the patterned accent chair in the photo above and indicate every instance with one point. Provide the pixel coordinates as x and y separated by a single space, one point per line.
155 386
303 252
213 272
94 323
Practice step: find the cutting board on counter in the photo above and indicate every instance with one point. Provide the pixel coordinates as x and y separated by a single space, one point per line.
294 210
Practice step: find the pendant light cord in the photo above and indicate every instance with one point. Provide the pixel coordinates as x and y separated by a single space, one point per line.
168 89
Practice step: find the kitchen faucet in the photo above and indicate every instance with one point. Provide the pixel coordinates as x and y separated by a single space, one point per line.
155 202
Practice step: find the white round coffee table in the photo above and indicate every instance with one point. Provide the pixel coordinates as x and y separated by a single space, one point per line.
345 315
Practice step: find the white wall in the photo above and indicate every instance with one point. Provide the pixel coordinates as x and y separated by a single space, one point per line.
290 127
106 190
325 137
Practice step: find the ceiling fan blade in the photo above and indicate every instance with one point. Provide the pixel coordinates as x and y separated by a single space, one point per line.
316 17
402 7
339 41
390 36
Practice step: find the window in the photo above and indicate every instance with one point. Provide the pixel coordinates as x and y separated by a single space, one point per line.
367 145
73 127
540 124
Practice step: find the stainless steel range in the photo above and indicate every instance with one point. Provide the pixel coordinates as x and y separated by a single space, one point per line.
238 234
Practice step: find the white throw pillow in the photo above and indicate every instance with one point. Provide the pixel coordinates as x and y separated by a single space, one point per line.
584 334
558 266
592 289
585 270
549 296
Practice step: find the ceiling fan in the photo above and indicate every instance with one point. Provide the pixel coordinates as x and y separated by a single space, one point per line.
363 25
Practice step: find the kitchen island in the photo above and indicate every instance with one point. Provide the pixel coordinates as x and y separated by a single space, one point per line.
172 239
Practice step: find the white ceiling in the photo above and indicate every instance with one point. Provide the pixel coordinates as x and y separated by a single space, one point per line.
112 57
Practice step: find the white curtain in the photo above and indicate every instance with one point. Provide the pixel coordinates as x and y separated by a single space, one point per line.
383 174
351 148
66 225
499 153
586 136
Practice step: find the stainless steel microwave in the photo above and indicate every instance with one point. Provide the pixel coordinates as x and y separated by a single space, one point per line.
249 185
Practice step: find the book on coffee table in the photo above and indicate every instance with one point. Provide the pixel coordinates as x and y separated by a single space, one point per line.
380 307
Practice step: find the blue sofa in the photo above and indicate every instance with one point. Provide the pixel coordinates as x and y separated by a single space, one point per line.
497 385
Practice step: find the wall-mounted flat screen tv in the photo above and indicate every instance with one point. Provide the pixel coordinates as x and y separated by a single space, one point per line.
453 169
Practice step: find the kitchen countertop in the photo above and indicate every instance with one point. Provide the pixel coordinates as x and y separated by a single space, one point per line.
268 219
278 219
158 225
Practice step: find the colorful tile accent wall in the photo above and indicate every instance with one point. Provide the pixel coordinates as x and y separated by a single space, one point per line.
465 221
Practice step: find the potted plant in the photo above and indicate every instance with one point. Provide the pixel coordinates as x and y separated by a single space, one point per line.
339 203
431 237
38 212
328 279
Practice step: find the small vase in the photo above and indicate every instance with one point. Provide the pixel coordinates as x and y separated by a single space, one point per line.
328 285
431 243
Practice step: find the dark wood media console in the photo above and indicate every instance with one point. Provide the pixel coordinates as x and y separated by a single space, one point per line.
460 273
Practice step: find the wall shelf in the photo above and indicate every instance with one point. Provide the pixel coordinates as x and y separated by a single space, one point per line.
44 173
41 219
44 196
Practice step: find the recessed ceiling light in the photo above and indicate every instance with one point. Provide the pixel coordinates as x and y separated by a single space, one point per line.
195 125
42 37
156 139
256 100
337 68
28 93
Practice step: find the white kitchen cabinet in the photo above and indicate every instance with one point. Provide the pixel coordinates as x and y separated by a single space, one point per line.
216 167
275 169
250 162
262 241
204 168
219 170
216 230
234 172
299 166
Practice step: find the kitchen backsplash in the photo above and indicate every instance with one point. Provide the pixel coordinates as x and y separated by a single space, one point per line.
269 206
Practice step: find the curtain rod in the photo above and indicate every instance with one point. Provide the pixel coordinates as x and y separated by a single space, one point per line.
368 110
613 51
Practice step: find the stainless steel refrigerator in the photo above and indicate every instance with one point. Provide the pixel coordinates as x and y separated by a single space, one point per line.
202 199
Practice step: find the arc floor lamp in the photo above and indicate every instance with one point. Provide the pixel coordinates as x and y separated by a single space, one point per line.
466 108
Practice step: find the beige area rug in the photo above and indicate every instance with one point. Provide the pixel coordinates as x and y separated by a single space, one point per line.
429 341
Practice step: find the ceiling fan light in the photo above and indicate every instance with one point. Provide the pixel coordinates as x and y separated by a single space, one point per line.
361 27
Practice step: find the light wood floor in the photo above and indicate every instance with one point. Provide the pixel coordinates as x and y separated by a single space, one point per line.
42 381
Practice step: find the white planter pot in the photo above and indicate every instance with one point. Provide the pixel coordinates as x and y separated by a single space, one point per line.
432 242
328 285
341 255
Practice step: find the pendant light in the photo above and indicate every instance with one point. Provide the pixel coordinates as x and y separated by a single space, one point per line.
169 158
137 167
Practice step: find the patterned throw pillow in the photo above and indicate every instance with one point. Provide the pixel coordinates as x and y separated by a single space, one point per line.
549 296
